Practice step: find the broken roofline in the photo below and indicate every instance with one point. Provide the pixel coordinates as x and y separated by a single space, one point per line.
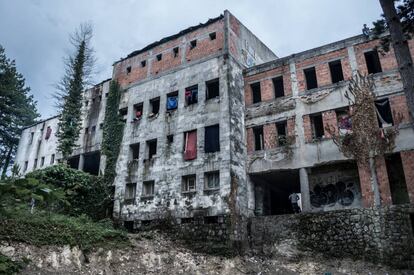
171 37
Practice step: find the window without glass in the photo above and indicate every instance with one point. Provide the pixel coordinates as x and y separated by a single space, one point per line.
152 148
212 36
317 126
130 191
384 113
212 139
373 62
190 145
258 138
35 164
212 180
143 63
175 51
281 132
159 57
193 44
52 159
138 110
213 89
42 161
123 113
256 92
278 86
188 183
31 138
134 149
128 71
155 106
311 81
191 95
335 68
148 188
172 101
170 139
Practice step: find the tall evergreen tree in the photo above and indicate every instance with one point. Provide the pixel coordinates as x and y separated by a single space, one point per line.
17 109
78 69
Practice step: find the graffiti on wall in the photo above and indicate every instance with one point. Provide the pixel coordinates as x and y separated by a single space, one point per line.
339 192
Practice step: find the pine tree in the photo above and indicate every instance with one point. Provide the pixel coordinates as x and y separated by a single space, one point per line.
77 73
17 109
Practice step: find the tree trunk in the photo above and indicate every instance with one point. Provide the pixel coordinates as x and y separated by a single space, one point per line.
374 181
401 50
6 163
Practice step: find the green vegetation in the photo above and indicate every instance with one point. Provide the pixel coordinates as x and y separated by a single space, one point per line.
8 266
112 132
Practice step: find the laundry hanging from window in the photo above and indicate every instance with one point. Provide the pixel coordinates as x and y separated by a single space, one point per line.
191 95
172 101
384 113
190 145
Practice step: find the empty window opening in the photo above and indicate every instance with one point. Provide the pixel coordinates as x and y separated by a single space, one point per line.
398 185
191 95
212 36
212 180
258 138
188 184
93 129
129 226
87 131
91 163
256 92
212 139
278 86
100 98
412 222
281 132
130 191
175 51
134 149
48 132
52 159
172 101
159 57
317 126
193 44
186 220
123 113
148 188
170 139
128 70
73 162
101 125
35 164
106 94
143 63
311 81
211 220
335 68
152 148
373 62
138 110
31 137
384 114
86 103
93 100
26 165
213 89
190 145
155 106
42 161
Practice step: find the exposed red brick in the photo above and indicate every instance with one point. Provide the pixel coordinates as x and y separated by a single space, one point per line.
365 183
269 133
399 109
307 128
383 182
250 140
407 158
291 127
330 121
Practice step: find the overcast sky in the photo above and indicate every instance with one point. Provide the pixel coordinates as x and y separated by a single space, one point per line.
35 32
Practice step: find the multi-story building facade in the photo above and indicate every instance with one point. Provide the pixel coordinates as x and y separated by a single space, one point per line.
211 110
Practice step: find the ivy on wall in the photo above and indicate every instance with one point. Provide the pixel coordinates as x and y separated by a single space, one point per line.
112 131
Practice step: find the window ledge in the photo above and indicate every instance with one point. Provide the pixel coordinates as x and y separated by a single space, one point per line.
147 197
188 192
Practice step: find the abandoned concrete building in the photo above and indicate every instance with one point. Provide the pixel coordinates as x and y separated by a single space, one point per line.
211 107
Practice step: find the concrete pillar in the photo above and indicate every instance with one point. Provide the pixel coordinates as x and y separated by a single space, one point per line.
304 189
258 196
352 60
81 162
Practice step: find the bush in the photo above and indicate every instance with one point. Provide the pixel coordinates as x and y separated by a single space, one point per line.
8 266
42 228
87 194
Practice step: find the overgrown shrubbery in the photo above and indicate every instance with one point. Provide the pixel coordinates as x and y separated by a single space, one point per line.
86 194
8 266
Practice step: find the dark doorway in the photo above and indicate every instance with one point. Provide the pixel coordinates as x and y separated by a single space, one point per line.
398 186
272 191
91 163
73 162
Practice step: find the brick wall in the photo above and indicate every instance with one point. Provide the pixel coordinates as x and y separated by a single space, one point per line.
330 121
407 158
269 133
365 182
307 128
383 182
250 140
291 127
399 109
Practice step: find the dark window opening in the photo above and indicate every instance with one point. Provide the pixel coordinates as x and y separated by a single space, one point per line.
384 114
212 139
412 222
159 57
186 220
130 190
31 137
190 145
175 51
311 81
87 131
212 36
278 86
398 185
148 188
317 126
48 132
42 161
86 103
93 100
193 44
123 113
129 226
373 62
143 63
170 139
106 94
101 125
258 138
35 164
26 165
152 148
172 101
256 92
128 69
212 180
91 163
73 162
93 130
211 219
100 98
155 106
188 183
191 95
134 148
213 89
52 159
138 110
281 132
336 71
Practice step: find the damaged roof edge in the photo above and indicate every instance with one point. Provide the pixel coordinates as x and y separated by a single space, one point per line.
40 122
171 37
